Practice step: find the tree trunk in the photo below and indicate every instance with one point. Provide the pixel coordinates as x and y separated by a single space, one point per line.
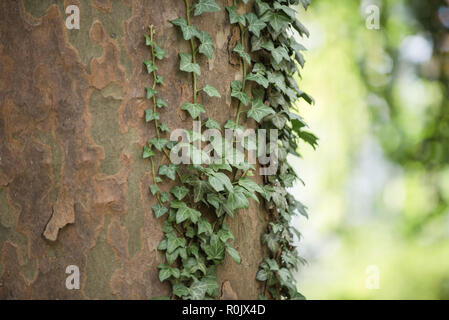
73 184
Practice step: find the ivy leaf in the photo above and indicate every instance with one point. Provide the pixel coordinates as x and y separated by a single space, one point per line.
204 227
169 171
198 290
234 254
258 78
165 196
259 110
150 66
174 242
262 275
236 92
159 53
272 241
164 274
147 152
185 213
237 200
255 25
159 210
219 181
154 189
261 7
215 251
277 20
187 65
212 124
195 109
250 185
278 119
206 6
164 127
211 91
179 192
179 22
150 92
242 53
225 233
159 79
180 290
150 115
280 53
158 143
161 103
206 46
234 17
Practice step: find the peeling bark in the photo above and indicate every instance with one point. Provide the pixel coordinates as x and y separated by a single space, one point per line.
71 135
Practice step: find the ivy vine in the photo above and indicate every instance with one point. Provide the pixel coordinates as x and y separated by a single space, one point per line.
196 236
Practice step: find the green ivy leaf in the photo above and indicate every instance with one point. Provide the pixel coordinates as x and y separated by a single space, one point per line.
250 185
215 251
211 91
180 290
258 78
242 53
262 275
161 103
185 213
234 17
255 25
164 127
237 200
165 196
219 181
150 115
150 92
195 109
159 210
154 189
187 65
169 171
204 6
259 110
204 227
234 254
158 143
159 53
179 192
206 46
236 92
150 66
212 124
147 152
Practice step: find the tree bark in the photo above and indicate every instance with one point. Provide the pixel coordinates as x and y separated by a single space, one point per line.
73 184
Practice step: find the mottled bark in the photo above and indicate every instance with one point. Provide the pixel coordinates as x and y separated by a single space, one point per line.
73 184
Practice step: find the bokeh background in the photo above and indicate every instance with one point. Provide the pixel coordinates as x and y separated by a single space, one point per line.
377 187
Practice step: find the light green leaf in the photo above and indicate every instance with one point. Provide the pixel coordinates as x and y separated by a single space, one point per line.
206 46
159 210
234 254
205 6
179 192
169 171
187 65
259 110
150 115
242 53
195 109
234 17
150 92
255 25
211 91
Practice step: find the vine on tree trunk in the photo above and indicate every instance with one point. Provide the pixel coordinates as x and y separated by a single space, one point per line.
213 187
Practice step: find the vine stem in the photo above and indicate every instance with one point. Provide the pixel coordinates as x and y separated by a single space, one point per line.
242 41
192 47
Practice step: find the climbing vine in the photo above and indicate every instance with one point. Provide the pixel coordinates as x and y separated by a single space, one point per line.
217 184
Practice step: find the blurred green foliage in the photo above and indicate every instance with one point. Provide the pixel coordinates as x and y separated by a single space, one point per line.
378 186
